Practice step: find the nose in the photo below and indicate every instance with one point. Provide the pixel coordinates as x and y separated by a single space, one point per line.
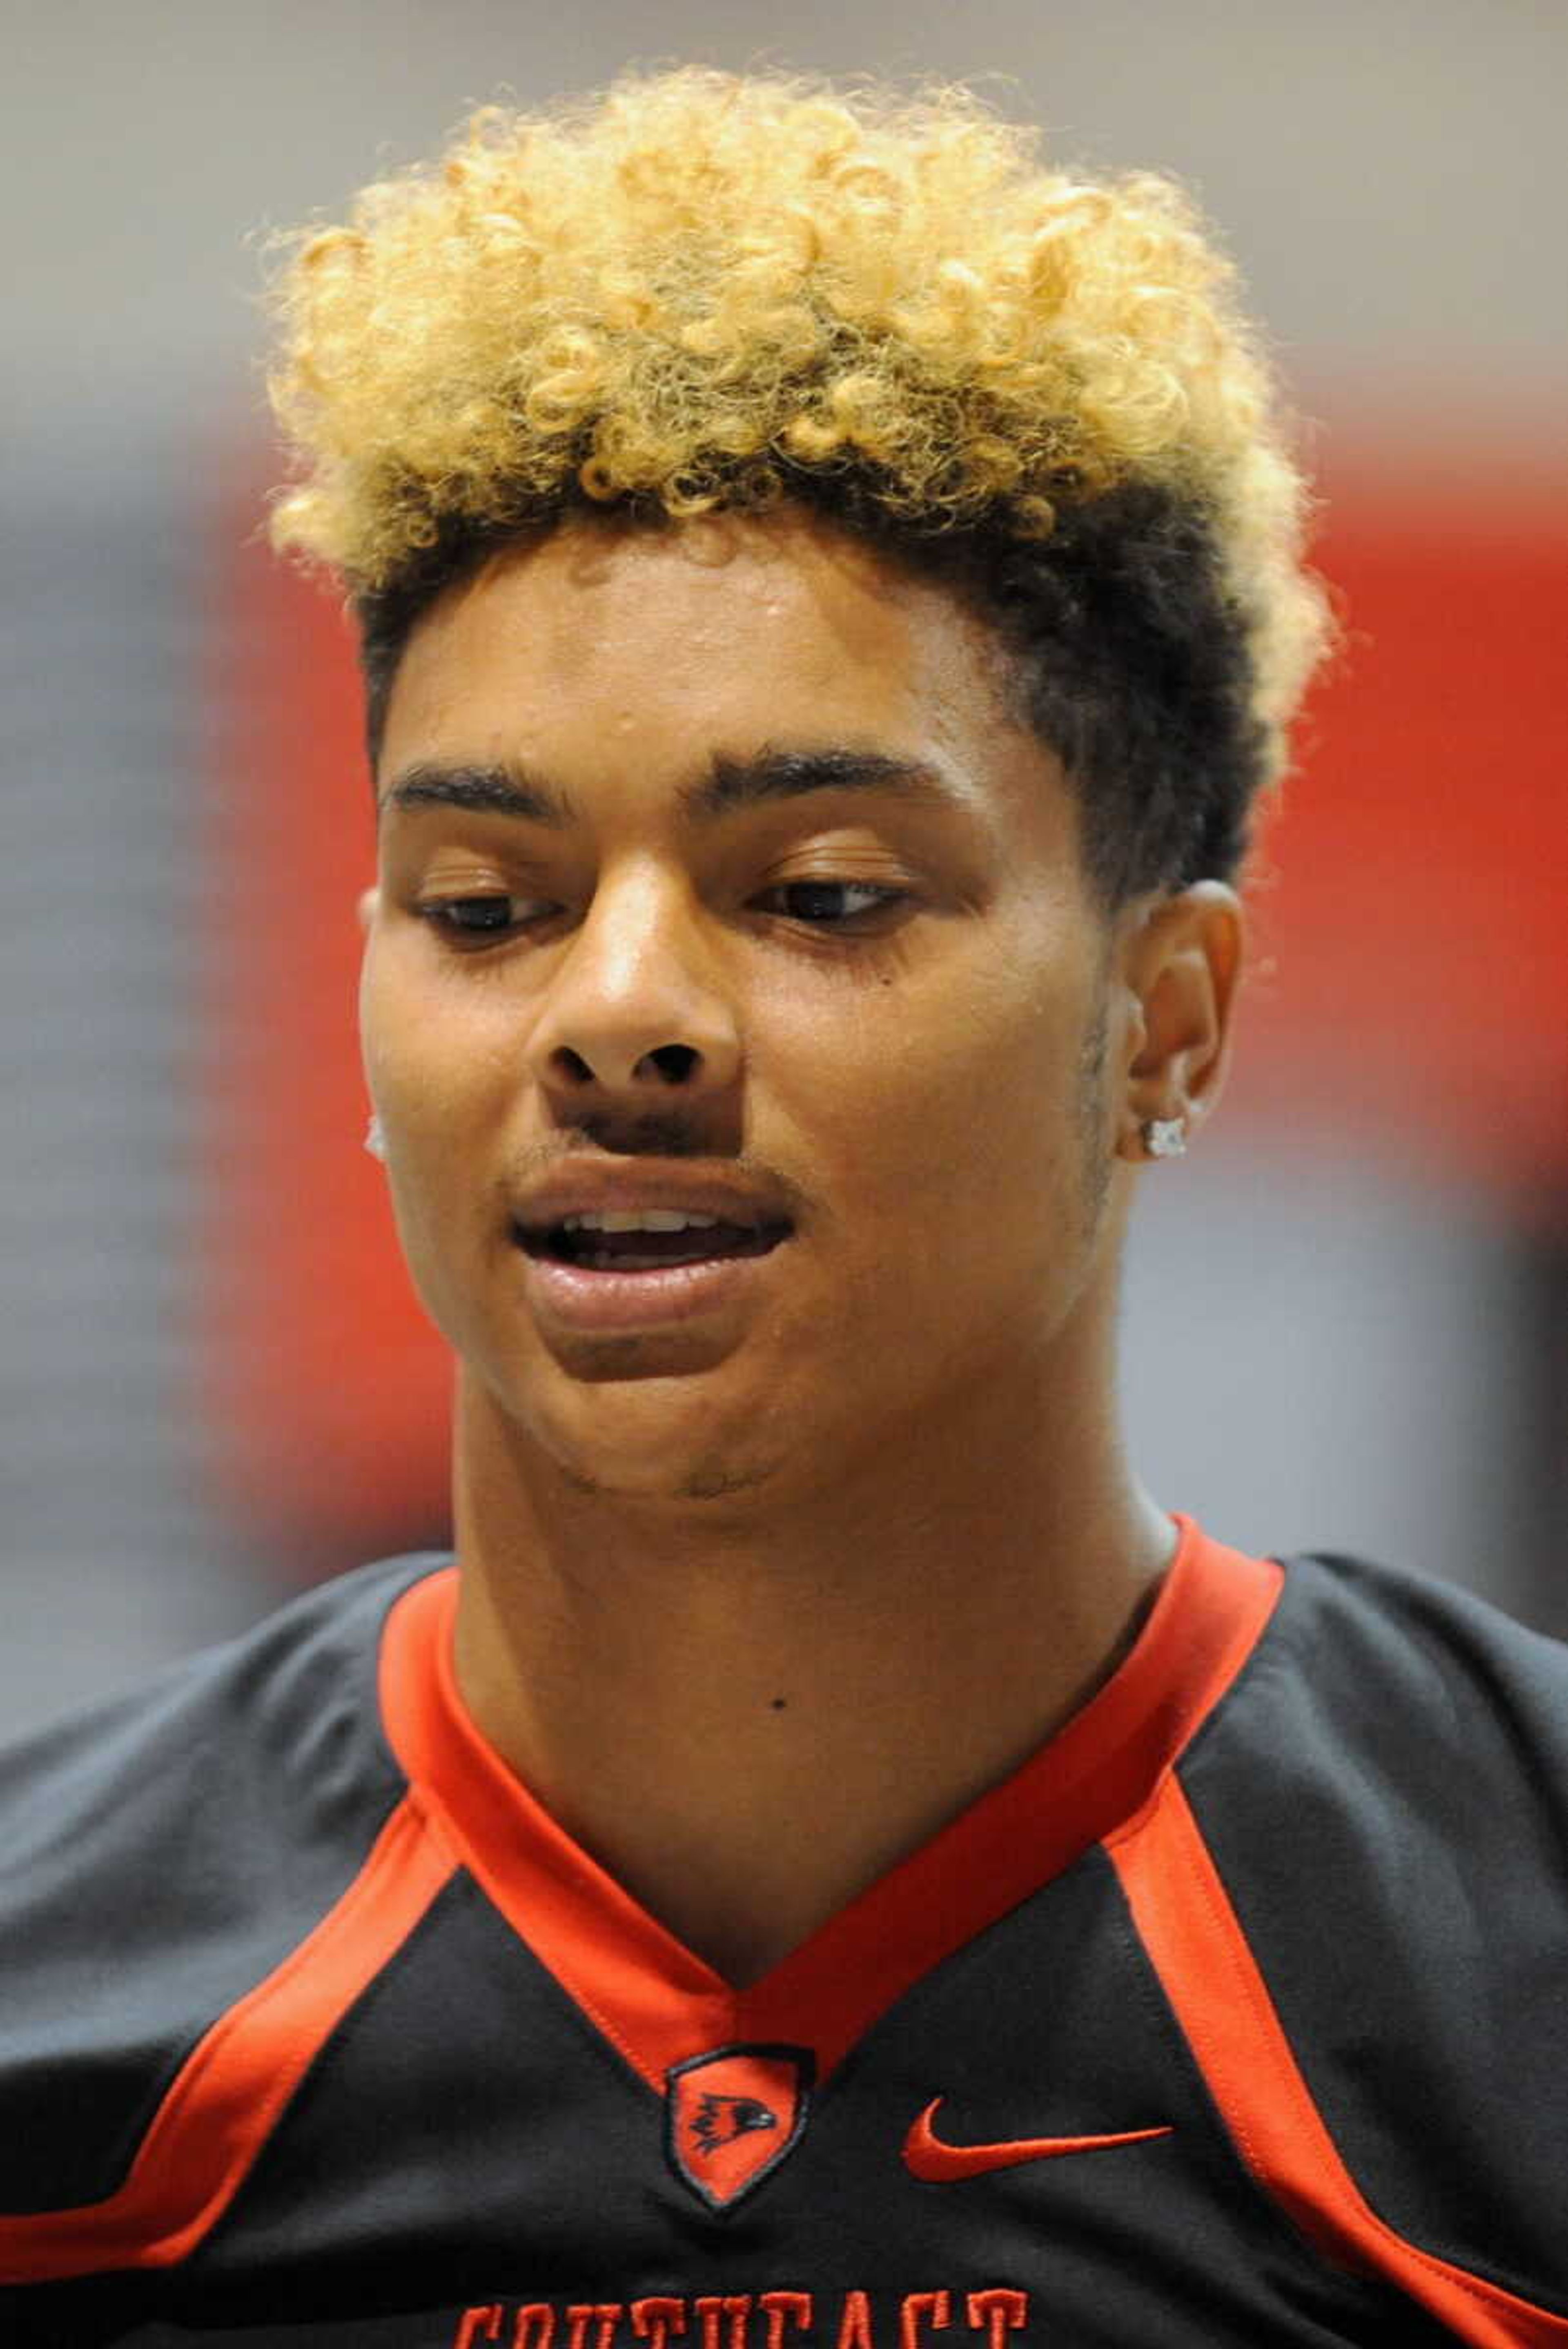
635 1005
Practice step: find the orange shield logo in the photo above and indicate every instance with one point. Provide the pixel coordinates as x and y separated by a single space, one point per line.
732 2115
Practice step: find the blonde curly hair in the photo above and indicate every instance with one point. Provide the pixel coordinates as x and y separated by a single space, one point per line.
696 289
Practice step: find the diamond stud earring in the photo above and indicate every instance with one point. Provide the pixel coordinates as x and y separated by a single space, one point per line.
374 1141
1165 1137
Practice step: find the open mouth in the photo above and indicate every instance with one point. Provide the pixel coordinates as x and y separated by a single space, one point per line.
593 1251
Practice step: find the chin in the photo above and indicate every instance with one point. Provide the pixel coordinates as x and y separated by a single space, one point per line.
709 1478
627 1441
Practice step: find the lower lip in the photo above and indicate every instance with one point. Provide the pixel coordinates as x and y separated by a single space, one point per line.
581 1300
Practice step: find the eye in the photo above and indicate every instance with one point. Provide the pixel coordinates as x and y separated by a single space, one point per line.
480 920
477 918
882 897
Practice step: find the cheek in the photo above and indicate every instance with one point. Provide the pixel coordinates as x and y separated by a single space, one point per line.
949 1112
428 1058
424 1072
391 1024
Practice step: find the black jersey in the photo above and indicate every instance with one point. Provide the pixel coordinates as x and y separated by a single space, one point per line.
1237 2014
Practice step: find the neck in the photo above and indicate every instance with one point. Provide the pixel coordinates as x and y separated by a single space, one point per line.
747 1707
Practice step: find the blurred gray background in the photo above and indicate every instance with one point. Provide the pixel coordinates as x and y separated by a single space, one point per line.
1321 1348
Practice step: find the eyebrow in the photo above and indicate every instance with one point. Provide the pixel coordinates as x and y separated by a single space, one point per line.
729 783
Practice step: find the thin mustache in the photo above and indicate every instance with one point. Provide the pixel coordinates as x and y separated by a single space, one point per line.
649 1137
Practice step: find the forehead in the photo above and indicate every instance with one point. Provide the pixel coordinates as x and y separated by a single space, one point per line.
727 630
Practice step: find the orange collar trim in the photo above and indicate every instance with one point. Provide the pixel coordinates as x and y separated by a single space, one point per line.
660 2004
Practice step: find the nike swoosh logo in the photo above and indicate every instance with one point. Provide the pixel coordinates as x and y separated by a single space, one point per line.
926 2157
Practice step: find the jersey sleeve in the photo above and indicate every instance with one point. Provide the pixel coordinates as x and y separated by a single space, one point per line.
1383 1801
159 1855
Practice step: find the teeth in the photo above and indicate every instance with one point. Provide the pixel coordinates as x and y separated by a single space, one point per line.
648 1219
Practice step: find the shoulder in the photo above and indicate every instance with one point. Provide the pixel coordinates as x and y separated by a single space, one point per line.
290 1693
1384 1793
160 1851
1376 1673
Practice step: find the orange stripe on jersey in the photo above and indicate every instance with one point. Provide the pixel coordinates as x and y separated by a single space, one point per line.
1195 1940
232 2088
659 2003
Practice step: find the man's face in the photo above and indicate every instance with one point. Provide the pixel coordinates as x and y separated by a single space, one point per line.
920 1077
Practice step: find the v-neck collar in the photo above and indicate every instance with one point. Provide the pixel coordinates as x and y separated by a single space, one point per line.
659 2003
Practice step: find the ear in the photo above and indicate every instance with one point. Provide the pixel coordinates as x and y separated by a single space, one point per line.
1181 964
369 902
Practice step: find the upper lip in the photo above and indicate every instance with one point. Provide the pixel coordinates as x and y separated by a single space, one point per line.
605 1190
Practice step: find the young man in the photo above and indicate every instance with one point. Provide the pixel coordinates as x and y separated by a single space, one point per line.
830 1862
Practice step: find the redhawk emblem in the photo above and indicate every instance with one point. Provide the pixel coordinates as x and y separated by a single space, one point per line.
719 2120
734 2114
